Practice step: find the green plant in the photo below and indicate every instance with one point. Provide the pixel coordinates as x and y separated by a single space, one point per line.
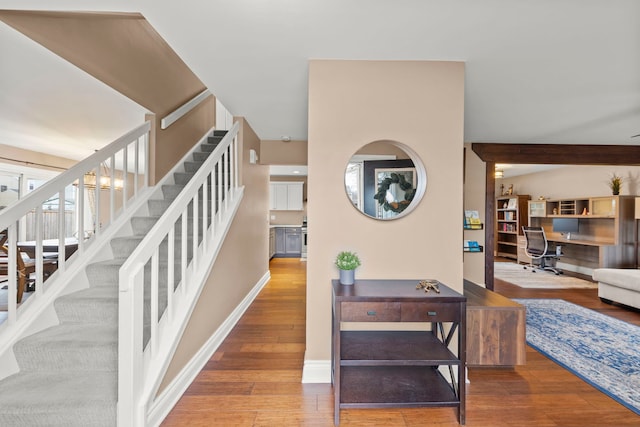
615 183
347 260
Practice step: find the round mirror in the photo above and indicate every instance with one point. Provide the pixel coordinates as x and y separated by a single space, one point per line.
385 180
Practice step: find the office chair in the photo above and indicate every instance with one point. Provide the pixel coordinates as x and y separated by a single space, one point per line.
537 248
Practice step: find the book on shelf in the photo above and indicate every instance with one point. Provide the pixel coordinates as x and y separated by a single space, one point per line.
472 219
471 246
512 203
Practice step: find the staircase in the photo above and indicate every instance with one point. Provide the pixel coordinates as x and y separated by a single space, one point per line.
69 372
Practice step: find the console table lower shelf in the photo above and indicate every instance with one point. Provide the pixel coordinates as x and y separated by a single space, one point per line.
398 368
374 378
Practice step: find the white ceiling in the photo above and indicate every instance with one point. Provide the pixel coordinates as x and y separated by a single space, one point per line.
48 105
537 71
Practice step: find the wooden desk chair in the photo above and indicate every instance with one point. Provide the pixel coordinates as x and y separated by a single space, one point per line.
25 266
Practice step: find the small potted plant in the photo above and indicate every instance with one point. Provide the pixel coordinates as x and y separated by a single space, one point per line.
347 262
615 183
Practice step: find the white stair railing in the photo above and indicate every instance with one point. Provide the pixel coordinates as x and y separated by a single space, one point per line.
98 189
155 304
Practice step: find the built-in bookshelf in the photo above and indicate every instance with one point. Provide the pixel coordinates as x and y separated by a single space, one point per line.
511 215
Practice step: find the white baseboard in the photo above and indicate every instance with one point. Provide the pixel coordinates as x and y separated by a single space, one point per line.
167 399
316 371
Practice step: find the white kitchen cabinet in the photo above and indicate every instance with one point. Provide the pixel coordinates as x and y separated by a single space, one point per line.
286 196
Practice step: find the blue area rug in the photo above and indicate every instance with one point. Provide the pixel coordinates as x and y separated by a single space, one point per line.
602 350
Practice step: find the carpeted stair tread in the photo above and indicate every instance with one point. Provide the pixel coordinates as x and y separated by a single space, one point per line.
92 305
59 399
142 224
182 178
123 246
104 273
171 191
201 156
70 346
191 167
208 147
158 206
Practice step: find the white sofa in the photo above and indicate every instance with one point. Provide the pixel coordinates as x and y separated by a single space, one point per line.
618 285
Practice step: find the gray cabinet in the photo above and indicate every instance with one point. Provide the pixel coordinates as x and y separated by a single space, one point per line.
280 241
293 241
288 241
272 242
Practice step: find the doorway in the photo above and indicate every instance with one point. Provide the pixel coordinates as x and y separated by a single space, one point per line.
546 154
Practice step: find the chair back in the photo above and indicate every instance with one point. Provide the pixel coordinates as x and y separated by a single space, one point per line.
536 241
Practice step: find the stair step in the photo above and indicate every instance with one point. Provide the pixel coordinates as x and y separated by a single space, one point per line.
208 147
158 206
104 273
182 178
215 139
142 224
192 166
124 246
171 191
59 399
93 305
201 156
220 132
72 346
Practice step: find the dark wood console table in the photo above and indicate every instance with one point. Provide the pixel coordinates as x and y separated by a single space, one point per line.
385 368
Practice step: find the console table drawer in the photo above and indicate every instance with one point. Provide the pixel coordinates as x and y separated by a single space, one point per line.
425 312
370 312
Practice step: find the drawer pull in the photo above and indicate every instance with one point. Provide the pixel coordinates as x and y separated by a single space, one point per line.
371 313
432 313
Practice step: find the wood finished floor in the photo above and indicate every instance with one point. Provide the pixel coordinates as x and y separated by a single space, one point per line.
254 377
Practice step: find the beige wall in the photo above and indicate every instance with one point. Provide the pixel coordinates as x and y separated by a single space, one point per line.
242 262
422 104
283 153
172 144
574 181
122 50
474 199
33 159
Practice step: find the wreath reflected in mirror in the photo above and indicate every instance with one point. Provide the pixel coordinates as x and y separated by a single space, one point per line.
385 197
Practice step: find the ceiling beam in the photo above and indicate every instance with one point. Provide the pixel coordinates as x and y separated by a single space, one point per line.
558 154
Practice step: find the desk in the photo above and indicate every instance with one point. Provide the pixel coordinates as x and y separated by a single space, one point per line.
586 254
606 238
589 254
562 242
50 246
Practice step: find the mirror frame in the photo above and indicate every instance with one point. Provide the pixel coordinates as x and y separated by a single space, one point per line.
421 176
